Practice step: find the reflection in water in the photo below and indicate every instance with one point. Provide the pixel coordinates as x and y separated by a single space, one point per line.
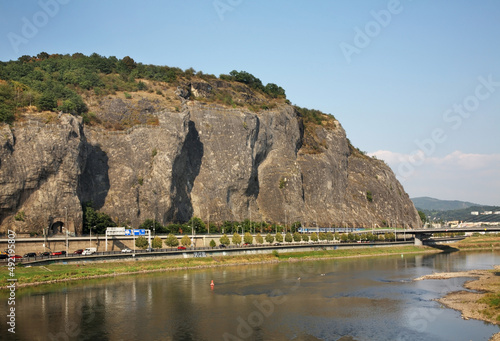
347 299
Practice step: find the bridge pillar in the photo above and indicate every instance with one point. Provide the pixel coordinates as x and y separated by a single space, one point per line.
418 239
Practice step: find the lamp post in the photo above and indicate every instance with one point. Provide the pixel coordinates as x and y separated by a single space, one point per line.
65 223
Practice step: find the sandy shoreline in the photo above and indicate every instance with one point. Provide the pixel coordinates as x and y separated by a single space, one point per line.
468 302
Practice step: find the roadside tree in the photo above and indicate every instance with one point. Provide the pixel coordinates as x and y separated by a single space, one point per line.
186 241
141 242
279 237
224 240
314 237
297 237
322 236
269 238
259 239
288 237
171 240
236 239
329 236
156 243
248 238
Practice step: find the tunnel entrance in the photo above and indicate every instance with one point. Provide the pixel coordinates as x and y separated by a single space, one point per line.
56 228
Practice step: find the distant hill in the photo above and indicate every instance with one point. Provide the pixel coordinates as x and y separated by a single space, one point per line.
433 204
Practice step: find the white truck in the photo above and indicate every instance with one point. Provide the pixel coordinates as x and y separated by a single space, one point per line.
89 251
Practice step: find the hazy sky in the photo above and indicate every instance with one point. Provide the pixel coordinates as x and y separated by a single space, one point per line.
416 83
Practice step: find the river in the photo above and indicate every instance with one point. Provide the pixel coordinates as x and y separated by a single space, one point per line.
343 299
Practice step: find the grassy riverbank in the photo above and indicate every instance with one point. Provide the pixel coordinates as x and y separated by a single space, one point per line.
58 272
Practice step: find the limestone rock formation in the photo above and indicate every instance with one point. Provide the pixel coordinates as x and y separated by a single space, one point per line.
206 160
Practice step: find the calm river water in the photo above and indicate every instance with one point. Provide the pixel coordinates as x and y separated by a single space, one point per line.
348 299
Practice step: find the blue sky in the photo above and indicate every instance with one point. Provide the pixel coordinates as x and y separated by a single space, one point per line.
416 83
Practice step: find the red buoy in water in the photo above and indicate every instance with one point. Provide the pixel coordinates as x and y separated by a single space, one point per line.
212 283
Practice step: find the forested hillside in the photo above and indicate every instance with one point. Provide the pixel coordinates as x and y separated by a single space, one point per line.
78 84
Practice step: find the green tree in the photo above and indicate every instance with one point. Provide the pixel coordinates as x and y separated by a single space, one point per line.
344 238
224 240
422 216
97 221
322 236
236 239
314 237
171 240
269 238
212 243
156 243
370 237
329 236
141 242
295 226
297 237
47 102
153 225
248 238
259 239
336 236
305 237
288 237
197 224
186 241
7 104
279 237
350 237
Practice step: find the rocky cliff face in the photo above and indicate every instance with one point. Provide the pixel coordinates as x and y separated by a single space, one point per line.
208 161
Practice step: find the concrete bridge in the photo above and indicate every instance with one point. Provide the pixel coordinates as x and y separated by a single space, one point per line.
422 234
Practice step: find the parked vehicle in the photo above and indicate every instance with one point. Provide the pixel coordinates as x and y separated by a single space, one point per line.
181 248
4 256
126 250
78 252
45 254
222 246
15 257
89 251
58 253
30 254
150 249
